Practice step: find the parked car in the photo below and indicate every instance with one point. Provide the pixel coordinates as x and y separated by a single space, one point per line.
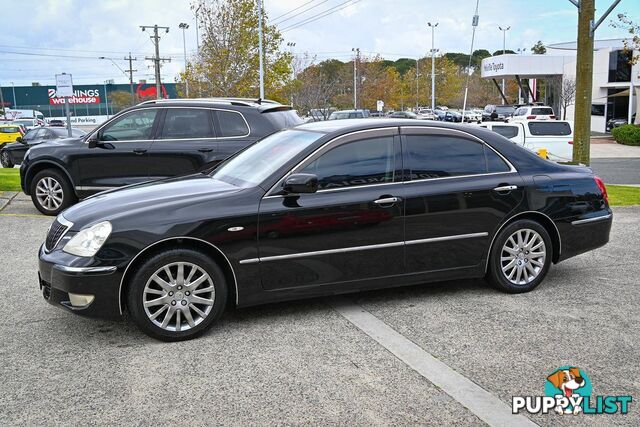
9 133
13 154
469 204
426 114
472 116
403 115
452 116
619 121
501 113
555 136
439 114
57 123
532 112
29 123
153 140
348 114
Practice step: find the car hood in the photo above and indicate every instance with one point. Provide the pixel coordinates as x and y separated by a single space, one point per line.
137 200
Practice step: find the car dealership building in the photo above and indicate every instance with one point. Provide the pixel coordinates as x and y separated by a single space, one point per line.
616 82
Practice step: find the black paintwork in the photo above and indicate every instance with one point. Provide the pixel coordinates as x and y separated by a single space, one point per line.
115 164
197 211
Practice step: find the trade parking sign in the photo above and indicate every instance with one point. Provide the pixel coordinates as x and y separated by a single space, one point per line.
64 85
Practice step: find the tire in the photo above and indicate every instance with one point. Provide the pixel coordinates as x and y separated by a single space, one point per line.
61 194
507 253
176 299
5 160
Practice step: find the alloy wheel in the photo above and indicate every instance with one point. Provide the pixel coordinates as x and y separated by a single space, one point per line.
178 296
523 256
49 193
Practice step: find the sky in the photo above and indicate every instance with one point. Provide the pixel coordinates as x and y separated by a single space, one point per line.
54 36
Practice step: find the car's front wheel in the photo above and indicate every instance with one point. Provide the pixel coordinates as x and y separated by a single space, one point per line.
51 192
176 295
5 160
520 257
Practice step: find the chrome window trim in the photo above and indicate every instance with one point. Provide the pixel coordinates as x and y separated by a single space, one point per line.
124 274
62 220
93 188
486 266
363 248
321 150
594 219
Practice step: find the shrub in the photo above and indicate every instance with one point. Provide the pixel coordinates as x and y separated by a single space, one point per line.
627 134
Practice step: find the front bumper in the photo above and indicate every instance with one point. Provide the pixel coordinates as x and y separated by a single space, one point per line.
91 291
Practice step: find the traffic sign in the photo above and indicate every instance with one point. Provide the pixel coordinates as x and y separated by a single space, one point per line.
64 85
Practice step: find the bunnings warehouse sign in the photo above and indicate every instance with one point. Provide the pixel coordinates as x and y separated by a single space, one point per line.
89 96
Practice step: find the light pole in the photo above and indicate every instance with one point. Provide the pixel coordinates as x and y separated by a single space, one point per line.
260 53
197 34
291 45
183 26
433 66
520 51
504 50
356 50
106 99
417 80
13 87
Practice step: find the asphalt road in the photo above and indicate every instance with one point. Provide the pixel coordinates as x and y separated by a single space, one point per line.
305 363
618 170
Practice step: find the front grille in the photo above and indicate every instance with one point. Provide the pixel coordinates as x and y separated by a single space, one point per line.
56 232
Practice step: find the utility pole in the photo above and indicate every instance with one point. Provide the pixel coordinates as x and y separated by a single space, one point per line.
156 59
197 32
183 26
433 66
417 92
474 24
131 71
260 53
356 50
584 77
504 50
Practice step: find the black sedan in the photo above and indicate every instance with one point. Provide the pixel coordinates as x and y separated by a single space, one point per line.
322 208
12 154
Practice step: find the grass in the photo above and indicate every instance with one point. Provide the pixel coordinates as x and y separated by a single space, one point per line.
619 195
9 179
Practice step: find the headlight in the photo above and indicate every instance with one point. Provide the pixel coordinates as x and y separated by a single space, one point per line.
89 240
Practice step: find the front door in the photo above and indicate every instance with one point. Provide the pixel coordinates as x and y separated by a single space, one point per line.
458 190
121 157
351 229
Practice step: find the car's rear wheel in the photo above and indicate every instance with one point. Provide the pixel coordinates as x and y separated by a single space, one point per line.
51 192
177 295
520 257
5 160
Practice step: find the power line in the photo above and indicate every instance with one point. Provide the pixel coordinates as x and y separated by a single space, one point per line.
292 10
300 13
320 15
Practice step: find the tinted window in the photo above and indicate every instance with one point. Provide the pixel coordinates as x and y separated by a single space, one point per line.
232 124
550 128
368 161
506 131
504 109
542 111
31 134
494 161
283 119
62 133
183 123
597 109
133 126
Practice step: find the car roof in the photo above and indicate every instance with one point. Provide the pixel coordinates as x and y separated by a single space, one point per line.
248 103
350 125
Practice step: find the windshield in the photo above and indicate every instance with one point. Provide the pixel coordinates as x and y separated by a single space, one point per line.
253 165
63 133
24 122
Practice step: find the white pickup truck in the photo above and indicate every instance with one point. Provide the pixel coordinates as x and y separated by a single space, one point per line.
556 136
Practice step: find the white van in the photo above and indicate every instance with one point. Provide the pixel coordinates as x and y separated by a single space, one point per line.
556 136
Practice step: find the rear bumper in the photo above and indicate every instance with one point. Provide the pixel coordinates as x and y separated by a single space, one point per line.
585 234
88 291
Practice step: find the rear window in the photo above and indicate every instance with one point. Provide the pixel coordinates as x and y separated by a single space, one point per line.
542 111
506 131
9 129
232 124
283 119
550 128
63 133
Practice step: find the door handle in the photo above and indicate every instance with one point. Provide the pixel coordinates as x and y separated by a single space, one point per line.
205 150
387 200
139 151
505 188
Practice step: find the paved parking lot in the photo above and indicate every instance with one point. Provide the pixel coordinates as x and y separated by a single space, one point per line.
305 362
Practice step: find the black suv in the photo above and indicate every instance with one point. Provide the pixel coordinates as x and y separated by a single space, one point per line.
153 140
499 113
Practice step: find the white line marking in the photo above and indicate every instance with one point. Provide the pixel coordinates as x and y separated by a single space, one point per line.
483 404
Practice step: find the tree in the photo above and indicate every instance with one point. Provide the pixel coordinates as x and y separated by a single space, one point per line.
567 95
227 63
499 52
538 48
121 99
631 44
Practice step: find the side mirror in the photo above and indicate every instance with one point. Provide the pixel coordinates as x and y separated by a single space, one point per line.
301 183
20 140
93 140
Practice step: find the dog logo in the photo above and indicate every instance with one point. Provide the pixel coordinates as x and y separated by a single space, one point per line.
568 381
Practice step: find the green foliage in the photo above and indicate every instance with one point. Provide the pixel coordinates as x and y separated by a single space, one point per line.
10 179
538 48
627 134
621 195
499 52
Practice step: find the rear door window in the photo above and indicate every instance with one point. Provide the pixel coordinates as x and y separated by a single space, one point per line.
549 128
232 124
187 123
506 131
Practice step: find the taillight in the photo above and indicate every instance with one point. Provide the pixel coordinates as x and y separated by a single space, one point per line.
602 188
531 117
570 142
552 117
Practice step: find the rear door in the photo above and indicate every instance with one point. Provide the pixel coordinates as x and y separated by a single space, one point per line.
185 143
234 131
457 191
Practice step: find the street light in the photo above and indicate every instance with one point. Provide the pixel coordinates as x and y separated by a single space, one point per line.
197 34
13 87
183 26
504 50
433 66
291 45
356 51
